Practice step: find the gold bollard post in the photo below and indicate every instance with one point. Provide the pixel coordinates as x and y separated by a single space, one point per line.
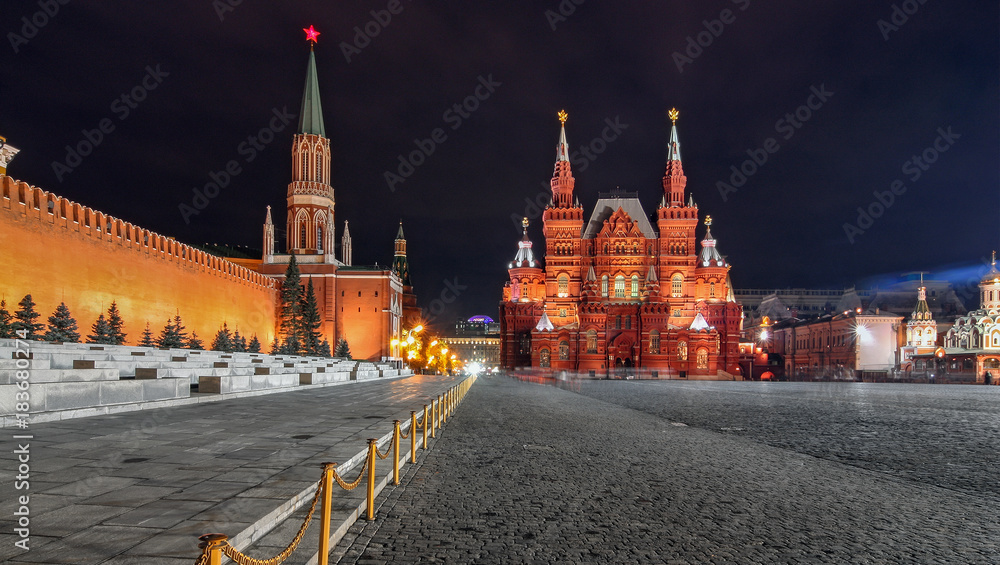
395 452
213 543
424 427
324 525
444 408
413 436
371 478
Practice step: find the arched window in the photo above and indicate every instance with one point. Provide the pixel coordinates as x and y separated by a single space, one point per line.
304 155
591 341
628 322
319 239
563 350
604 286
544 358
319 167
677 284
563 285
620 286
702 358
654 341
635 286
682 351
302 235
618 322
711 289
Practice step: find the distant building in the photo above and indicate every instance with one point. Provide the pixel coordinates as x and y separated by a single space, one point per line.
476 340
618 291
971 351
847 346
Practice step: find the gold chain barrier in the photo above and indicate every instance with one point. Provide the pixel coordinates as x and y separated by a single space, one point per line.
214 546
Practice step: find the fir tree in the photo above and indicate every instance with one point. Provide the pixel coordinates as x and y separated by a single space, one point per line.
291 308
26 317
254 346
62 326
324 349
115 325
147 338
179 335
6 322
102 331
343 349
310 322
167 335
223 340
193 342
275 346
239 342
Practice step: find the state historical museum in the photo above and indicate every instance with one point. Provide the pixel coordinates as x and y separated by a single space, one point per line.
621 288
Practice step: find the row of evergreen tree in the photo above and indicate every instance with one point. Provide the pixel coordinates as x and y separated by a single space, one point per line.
109 330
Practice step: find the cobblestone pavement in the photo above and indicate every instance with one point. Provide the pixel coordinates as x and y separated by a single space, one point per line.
528 473
140 487
942 435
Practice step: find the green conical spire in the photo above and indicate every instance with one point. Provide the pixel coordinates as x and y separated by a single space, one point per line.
311 113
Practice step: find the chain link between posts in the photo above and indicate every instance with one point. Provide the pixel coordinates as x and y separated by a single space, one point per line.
242 559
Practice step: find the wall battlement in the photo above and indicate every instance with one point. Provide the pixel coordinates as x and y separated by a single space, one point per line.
30 202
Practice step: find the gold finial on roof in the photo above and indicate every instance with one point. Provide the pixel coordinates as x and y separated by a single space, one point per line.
524 222
673 114
708 220
562 116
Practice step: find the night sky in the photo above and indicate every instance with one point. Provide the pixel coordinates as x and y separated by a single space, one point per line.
220 73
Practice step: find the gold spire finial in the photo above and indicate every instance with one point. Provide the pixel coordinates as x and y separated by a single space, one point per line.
673 114
994 257
708 220
524 223
562 116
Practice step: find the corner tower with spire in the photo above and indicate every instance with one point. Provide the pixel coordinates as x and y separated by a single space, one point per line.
310 194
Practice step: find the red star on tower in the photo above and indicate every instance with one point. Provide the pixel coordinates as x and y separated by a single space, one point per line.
311 34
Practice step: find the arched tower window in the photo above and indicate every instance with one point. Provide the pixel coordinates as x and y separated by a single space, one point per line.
654 341
676 284
604 286
618 322
319 167
304 156
711 289
591 341
319 239
563 285
635 286
620 286
702 358
302 235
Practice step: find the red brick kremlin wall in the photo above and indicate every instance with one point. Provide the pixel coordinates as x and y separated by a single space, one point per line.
58 250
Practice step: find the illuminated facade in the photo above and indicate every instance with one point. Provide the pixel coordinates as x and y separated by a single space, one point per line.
617 291
362 304
90 259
